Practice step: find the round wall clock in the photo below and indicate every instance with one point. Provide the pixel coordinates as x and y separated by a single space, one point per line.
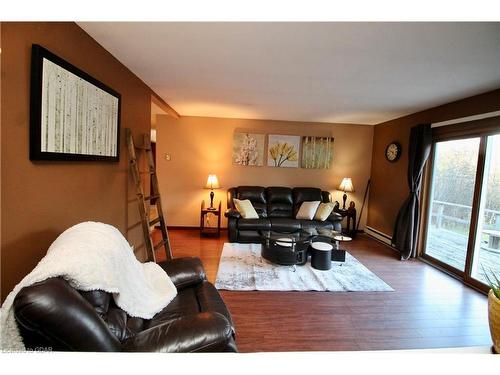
393 151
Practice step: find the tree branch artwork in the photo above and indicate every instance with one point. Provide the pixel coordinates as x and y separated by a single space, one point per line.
73 116
65 97
317 152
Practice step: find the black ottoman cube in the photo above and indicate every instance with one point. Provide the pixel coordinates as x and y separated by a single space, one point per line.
321 255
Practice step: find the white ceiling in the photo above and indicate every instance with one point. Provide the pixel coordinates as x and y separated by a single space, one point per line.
328 72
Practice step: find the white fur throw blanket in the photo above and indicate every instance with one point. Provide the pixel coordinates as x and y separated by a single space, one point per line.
91 256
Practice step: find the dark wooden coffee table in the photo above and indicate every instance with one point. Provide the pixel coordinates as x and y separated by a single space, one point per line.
285 248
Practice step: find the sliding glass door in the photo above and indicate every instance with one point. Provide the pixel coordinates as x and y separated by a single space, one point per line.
462 228
452 192
486 255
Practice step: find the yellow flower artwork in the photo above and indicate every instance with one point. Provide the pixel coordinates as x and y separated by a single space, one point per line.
283 151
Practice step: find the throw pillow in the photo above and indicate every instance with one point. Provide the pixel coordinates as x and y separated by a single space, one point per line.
245 208
307 210
324 210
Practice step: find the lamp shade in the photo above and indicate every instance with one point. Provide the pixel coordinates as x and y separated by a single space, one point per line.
212 182
346 185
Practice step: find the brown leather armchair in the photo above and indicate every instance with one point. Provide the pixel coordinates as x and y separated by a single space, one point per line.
51 315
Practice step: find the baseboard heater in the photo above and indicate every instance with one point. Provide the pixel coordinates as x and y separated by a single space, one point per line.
378 235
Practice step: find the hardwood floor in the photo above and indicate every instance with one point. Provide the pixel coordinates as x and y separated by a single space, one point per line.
428 308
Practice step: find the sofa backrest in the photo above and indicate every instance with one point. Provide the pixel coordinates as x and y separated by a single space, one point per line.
256 195
276 201
279 201
305 194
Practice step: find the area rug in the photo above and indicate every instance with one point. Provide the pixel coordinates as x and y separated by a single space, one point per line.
242 268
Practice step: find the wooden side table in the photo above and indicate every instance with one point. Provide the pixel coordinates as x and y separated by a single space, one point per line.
350 213
207 230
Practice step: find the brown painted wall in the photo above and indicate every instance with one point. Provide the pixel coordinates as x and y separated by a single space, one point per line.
389 188
40 200
203 145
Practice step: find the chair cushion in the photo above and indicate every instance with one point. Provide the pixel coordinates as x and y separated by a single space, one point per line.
202 298
254 224
279 202
284 224
118 323
249 236
184 303
307 224
203 332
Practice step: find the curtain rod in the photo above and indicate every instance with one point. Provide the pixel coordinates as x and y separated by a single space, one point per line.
465 119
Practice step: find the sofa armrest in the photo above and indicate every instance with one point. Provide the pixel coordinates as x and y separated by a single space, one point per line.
53 314
334 216
232 230
336 219
232 213
184 272
203 332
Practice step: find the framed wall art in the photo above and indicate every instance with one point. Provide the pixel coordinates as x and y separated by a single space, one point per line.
317 152
73 116
283 151
248 149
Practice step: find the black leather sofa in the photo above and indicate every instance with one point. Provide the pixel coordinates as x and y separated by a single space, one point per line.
277 208
51 315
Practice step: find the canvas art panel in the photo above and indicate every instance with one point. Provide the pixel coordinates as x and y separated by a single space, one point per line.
74 116
283 151
317 152
77 117
248 149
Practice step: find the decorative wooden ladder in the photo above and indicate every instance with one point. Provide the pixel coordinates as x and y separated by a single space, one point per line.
153 198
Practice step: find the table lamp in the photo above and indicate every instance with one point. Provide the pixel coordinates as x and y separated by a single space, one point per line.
212 183
347 187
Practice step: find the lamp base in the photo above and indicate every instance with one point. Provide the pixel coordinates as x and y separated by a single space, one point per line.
212 201
344 198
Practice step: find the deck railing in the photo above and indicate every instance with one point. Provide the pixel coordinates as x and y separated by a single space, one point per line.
492 216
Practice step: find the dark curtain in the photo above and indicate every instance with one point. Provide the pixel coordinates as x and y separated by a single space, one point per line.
407 221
